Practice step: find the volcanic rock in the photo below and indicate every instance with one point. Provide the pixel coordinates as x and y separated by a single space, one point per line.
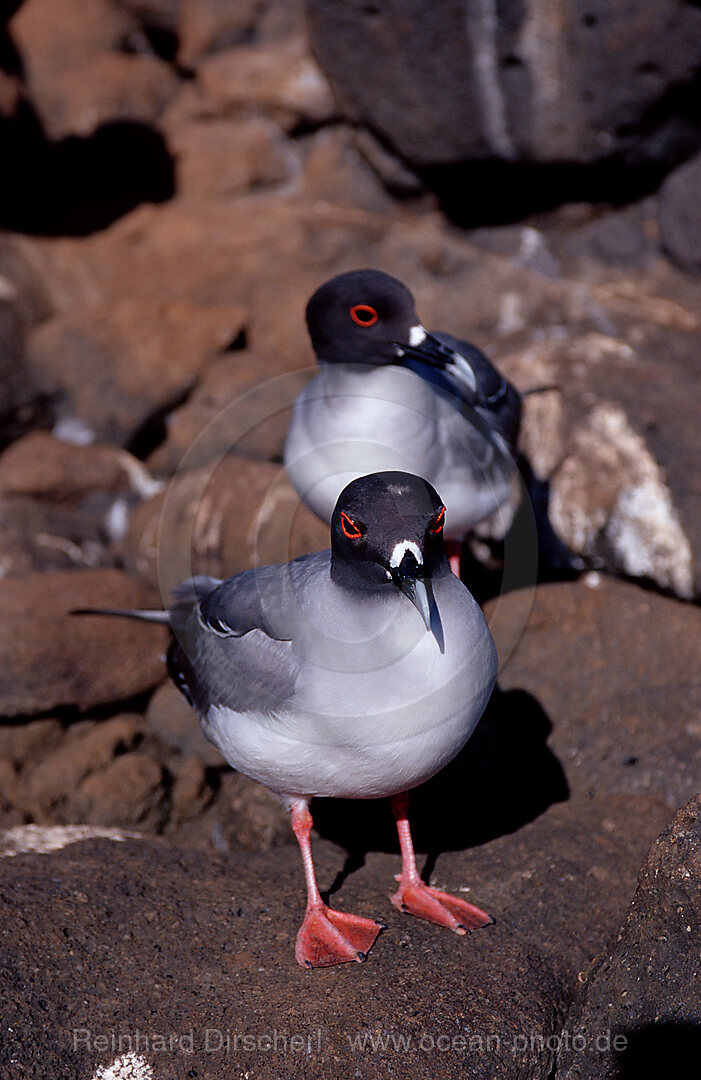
680 216
50 658
519 87
641 1002
115 368
219 520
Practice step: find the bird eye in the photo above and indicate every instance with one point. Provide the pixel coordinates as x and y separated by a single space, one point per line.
364 315
438 522
350 529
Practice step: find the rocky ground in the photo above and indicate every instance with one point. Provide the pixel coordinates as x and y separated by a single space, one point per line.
182 175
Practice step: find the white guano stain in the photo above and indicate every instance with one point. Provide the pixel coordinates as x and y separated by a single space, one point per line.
610 489
541 46
129 1066
482 21
43 839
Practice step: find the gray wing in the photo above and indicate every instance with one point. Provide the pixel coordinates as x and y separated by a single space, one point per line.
233 638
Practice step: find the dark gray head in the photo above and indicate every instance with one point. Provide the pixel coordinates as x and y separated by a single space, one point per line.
357 318
367 317
387 529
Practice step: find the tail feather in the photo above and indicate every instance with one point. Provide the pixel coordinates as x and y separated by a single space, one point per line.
127 613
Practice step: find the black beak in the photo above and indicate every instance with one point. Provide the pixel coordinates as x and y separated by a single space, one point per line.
436 354
408 577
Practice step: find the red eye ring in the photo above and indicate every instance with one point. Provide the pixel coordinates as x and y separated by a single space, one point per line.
364 315
350 529
438 522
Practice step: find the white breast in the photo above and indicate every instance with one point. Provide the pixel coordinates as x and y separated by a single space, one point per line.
378 707
352 420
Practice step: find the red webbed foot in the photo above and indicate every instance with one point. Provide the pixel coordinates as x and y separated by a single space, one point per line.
435 906
421 900
328 937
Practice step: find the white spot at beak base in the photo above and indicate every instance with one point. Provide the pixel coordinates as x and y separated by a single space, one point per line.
400 550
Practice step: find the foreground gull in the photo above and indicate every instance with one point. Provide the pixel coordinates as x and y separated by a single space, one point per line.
356 673
390 395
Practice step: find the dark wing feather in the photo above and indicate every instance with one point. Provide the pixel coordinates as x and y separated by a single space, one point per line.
255 600
216 659
497 400
496 403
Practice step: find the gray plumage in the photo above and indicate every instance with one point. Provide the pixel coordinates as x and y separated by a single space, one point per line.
356 672
389 395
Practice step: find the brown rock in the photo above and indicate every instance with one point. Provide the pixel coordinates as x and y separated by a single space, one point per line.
190 793
280 78
128 791
10 812
23 743
36 535
162 14
171 720
221 158
219 520
206 26
616 670
144 355
253 818
21 400
242 405
62 505
218 252
109 87
334 171
20 284
420 982
49 658
88 747
10 95
641 1001
52 41
40 465
202 26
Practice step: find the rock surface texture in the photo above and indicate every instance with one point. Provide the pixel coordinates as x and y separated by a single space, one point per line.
640 990
517 81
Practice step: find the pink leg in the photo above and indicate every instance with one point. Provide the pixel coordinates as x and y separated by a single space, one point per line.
326 937
454 549
420 899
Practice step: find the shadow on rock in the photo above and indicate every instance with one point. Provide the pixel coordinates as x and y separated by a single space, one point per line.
78 185
538 187
503 778
651 1050
530 553
555 560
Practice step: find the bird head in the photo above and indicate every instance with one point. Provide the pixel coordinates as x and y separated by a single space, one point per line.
358 318
387 530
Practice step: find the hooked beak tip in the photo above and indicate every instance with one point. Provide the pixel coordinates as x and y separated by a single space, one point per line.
416 592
